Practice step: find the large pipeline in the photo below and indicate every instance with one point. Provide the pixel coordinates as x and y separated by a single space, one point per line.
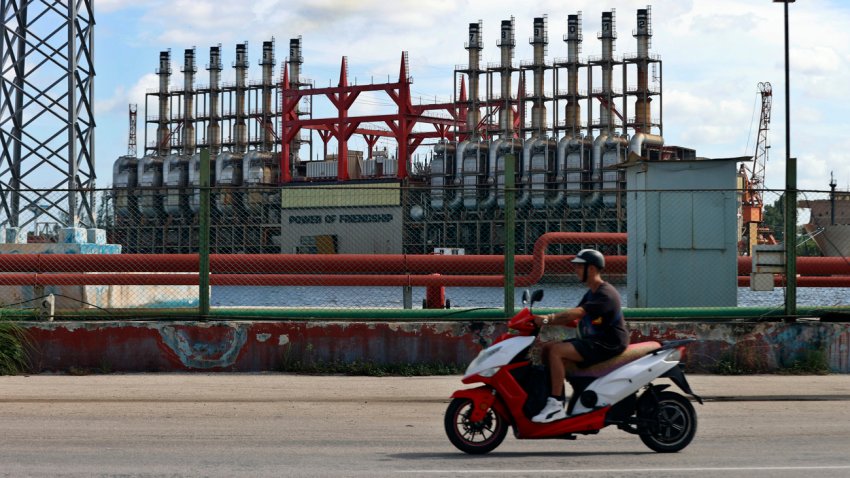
350 269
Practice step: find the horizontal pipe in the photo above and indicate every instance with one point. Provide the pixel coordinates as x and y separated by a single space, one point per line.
330 270
804 281
494 314
327 280
299 263
350 263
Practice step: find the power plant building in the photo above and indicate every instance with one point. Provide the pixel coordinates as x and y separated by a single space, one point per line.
569 122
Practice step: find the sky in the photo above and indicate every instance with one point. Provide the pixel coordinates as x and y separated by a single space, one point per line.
714 53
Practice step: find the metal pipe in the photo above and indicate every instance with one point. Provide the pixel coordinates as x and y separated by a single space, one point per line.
538 109
640 139
573 108
496 314
506 112
295 61
350 263
162 131
643 34
596 171
189 70
214 128
493 174
607 35
241 127
457 201
327 280
267 63
474 46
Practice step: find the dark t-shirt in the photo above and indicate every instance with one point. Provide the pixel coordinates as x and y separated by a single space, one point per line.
603 321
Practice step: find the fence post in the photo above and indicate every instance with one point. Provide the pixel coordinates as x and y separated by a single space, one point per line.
204 237
791 241
510 238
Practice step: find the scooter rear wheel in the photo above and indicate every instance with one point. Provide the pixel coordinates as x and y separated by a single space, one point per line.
674 423
471 437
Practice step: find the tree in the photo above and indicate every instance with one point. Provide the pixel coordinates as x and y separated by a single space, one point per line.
774 218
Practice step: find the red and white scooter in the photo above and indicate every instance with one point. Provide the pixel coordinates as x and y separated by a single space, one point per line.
615 392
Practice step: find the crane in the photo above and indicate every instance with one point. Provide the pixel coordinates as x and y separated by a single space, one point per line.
752 205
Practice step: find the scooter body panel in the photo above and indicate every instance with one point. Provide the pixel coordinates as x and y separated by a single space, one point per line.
498 355
626 380
508 401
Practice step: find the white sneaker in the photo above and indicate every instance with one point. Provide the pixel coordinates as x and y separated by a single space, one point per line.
554 410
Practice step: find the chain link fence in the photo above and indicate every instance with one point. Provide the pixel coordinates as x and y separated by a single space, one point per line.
386 245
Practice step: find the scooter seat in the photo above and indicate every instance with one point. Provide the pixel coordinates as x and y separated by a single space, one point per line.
632 353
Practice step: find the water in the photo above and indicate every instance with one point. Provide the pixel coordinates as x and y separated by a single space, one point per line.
556 295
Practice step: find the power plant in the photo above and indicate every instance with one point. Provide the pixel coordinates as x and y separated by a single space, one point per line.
569 139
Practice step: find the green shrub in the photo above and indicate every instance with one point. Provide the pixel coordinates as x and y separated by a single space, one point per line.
13 350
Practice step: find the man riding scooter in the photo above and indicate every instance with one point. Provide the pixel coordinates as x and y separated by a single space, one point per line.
602 331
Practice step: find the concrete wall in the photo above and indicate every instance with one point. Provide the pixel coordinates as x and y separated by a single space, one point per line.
246 346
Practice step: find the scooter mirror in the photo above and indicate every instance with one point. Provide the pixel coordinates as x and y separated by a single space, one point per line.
526 296
537 296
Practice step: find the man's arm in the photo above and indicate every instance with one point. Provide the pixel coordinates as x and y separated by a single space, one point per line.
568 318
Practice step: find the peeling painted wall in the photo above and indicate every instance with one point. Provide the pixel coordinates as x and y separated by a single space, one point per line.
244 346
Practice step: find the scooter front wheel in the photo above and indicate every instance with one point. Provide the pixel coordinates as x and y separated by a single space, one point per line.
673 423
473 437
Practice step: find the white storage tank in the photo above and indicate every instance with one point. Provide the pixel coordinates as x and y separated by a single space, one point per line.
261 171
150 180
195 182
175 172
125 178
228 176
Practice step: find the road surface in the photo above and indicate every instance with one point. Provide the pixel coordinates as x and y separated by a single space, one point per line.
285 425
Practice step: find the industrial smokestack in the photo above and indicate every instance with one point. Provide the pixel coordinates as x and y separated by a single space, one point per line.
643 107
268 68
162 131
573 108
474 46
214 129
189 70
539 42
507 44
241 66
608 35
295 61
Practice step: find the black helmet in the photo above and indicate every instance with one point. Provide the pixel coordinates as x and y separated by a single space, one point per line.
591 257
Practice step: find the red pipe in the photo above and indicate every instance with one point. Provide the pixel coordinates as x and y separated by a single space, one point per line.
342 263
804 281
318 280
344 269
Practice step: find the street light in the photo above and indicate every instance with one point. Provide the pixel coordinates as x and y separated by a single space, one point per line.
790 193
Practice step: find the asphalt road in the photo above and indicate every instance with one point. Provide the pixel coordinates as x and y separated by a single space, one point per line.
281 425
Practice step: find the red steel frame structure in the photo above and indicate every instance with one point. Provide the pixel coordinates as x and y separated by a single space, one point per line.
342 127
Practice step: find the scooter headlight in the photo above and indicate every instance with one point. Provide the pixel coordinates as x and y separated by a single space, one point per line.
489 372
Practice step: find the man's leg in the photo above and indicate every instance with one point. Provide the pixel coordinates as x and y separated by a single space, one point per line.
558 353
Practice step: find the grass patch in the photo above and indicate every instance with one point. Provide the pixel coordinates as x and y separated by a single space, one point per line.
369 369
306 363
808 362
13 345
